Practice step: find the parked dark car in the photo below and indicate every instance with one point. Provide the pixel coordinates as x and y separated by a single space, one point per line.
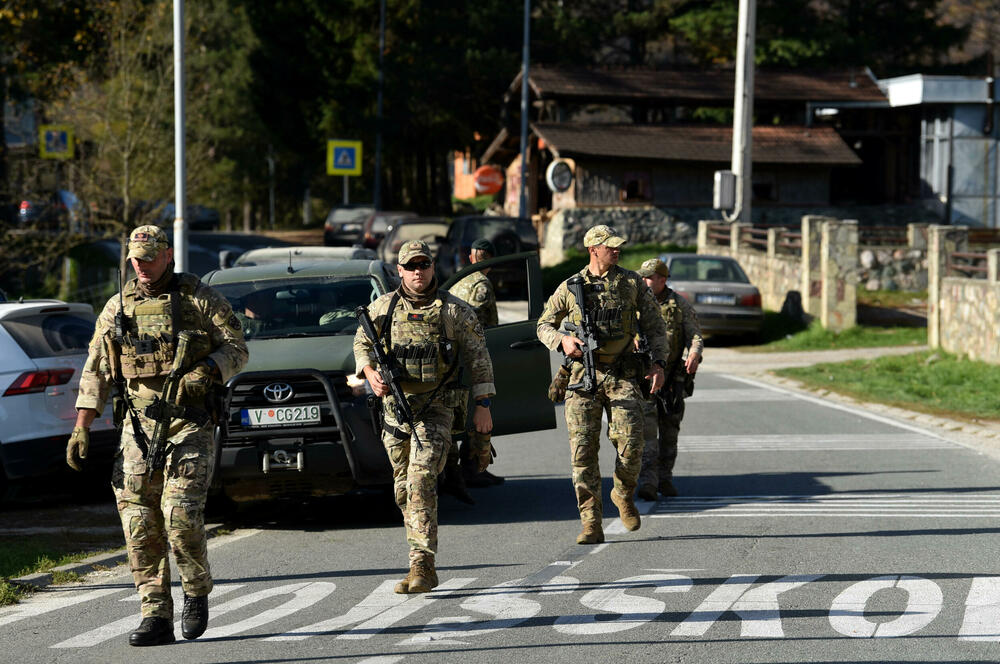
428 229
510 235
297 422
377 224
343 225
722 295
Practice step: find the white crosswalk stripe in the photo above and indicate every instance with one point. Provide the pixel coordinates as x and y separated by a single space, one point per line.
739 395
851 505
810 442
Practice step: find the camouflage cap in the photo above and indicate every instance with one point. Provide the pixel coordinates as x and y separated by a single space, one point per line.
653 266
146 242
414 249
602 234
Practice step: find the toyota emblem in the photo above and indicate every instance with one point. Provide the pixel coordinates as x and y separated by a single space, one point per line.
278 392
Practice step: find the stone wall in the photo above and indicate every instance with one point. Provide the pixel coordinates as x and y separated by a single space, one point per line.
566 228
822 261
963 313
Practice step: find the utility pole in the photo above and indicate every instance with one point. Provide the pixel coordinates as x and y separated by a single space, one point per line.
523 206
743 113
180 198
377 197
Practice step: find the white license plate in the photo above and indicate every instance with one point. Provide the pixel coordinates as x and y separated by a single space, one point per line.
280 416
715 298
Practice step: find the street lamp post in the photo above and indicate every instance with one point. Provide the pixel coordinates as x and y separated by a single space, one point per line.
742 164
377 197
180 199
523 206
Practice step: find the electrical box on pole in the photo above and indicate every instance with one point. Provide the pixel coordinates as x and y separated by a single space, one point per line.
724 191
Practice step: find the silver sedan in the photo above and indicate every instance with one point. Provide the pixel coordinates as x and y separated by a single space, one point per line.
726 301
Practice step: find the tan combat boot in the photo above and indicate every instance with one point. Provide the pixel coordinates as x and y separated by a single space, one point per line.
626 509
592 533
421 579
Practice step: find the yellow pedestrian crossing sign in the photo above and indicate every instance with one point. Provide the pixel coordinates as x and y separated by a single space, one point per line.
343 157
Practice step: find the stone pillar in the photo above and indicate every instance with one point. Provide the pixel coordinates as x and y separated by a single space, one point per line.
773 238
838 274
735 230
993 265
811 282
703 245
916 236
942 241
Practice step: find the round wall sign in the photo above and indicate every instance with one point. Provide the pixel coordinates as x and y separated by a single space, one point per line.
559 176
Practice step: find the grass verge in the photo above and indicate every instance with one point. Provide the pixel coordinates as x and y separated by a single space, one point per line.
931 382
39 553
894 299
781 333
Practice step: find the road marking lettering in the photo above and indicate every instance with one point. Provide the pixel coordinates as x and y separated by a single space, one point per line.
505 602
129 623
810 442
924 602
50 600
632 610
616 607
982 610
952 506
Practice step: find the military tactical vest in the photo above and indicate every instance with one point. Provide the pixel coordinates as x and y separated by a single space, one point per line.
613 306
152 324
422 341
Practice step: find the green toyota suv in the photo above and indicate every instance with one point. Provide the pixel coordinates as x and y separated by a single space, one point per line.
297 423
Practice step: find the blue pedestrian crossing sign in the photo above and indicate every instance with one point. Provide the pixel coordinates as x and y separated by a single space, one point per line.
55 141
343 157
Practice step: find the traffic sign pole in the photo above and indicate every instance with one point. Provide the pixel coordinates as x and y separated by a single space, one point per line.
346 198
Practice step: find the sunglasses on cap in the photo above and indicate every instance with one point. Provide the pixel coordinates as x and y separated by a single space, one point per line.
417 265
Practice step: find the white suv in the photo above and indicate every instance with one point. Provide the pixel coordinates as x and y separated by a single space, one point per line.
43 347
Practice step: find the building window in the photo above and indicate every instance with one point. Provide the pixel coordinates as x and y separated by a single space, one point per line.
636 187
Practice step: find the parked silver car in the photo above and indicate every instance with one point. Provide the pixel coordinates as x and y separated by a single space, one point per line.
719 289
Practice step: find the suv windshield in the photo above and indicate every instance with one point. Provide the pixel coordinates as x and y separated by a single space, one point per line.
308 307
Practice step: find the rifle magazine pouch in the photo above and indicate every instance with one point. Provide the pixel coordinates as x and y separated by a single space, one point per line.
419 362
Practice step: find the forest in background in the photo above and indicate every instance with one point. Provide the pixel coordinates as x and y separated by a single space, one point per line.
275 79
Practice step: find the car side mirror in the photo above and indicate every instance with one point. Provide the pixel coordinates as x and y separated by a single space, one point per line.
226 258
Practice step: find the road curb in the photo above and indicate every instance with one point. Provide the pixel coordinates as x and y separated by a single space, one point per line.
94 563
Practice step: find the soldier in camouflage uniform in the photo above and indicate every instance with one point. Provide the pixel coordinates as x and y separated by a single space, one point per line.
477 291
134 353
430 333
621 306
684 354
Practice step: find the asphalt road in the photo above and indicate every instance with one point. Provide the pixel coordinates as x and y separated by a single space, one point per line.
807 531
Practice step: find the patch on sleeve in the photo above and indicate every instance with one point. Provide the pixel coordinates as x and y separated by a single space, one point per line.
233 322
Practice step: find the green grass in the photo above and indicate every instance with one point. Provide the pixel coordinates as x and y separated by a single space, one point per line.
893 299
781 334
631 258
932 382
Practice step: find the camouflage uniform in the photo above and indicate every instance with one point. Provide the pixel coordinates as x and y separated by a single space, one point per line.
683 333
166 505
427 342
477 291
615 299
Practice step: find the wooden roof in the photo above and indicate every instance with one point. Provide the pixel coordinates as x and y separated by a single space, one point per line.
771 145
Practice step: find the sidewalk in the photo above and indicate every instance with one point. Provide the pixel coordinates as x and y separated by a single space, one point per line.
984 436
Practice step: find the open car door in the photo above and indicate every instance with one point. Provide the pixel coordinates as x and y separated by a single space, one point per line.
520 361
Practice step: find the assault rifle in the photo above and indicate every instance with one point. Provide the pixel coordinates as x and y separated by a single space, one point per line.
165 407
675 380
389 370
586 331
